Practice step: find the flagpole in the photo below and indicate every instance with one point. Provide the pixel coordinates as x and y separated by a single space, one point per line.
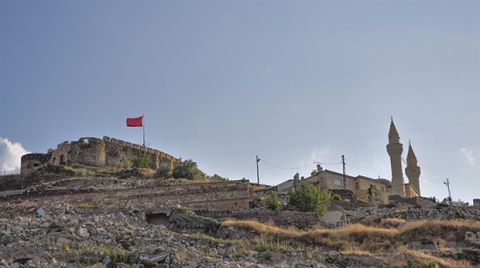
143 127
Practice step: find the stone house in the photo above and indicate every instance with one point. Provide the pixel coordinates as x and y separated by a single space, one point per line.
363 188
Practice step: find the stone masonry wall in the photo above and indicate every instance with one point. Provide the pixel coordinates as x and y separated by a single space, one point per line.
32 162
88 152
94 152
61 155
221 196
118 150
476 203
280 218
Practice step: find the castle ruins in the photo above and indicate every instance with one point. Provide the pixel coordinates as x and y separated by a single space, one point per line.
92 152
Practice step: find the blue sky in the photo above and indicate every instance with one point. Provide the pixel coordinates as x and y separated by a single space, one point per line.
222 81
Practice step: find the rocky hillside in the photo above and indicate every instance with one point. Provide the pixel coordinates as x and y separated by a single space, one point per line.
61 235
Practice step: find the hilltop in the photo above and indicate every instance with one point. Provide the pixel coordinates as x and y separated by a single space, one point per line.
117 217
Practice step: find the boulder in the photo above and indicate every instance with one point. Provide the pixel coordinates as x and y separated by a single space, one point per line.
185 220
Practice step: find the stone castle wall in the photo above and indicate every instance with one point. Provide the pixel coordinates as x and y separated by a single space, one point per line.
476 203
61 155
93 152
32 162
118 150
88 152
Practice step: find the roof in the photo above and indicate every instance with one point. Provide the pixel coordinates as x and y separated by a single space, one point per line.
332 172
382 181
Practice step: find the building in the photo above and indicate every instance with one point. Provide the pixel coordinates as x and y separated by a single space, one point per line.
395 149
368 189
476 203
363 188
92 152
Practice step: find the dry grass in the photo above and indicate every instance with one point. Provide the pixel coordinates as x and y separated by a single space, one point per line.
356 252
263 228
268 243
361 236
362 240
392 222
449 230
440 225
425 259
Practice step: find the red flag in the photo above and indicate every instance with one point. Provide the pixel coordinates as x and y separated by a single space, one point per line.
135 122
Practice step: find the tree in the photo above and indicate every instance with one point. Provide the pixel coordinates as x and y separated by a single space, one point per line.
187 170
308 197
273 202
163 171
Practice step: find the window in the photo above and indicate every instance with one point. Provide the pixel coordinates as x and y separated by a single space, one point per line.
338 182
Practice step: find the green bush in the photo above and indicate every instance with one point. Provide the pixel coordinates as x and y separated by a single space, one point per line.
273 202
187 170
163 171
146 161
337 197
309 197
219 178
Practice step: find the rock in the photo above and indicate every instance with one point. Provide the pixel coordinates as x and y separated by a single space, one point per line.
40 212
160 258
473 237
83 232
185 220
106 260
26 204
22 260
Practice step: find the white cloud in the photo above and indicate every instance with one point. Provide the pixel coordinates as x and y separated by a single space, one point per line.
468 156
10 154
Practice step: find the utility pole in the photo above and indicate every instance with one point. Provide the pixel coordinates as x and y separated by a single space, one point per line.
344 176
447 182
258 176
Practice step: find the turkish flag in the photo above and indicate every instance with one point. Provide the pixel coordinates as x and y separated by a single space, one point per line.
135 122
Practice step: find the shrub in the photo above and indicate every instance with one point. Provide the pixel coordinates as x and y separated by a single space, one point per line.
273 202
218 178
337 197
187 170
308 197
146 161
163 171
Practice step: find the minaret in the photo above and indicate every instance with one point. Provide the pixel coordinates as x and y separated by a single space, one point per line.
395 149
413 170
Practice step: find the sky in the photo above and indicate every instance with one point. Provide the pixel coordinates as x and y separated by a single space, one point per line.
219 82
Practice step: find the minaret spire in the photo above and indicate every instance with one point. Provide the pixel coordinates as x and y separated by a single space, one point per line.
393 136
395 149
411 157
413 170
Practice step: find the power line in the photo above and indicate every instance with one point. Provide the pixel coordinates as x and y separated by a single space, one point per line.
279 167
300 167
327 163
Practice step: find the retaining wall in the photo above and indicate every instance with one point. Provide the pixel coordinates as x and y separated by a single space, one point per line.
221 196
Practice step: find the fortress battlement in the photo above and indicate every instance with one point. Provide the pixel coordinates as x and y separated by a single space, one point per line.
93 152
